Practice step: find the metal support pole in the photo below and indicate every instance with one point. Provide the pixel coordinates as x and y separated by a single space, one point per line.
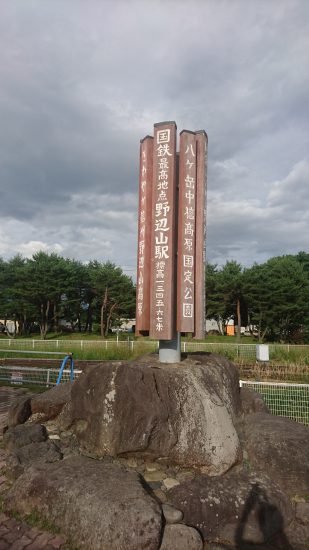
170 350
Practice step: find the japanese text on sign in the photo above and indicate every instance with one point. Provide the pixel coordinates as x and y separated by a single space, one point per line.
186 236
161 224
143 252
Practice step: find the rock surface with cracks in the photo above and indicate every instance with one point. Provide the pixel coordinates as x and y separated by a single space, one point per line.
183 411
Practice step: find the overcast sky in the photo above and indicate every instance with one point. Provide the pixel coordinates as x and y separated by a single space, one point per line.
83 81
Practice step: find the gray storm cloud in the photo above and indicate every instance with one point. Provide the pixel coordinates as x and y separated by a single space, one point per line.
81 84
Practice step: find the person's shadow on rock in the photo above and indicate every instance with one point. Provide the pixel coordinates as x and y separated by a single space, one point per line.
269 520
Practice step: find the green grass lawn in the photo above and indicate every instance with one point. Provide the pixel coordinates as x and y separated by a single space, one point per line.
93 347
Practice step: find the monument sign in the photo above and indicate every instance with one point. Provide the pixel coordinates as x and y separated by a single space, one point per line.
171 234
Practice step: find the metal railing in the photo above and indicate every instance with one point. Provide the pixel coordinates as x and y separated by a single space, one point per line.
68 358
48 377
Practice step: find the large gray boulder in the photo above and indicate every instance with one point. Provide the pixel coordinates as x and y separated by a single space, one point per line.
23 457
279 446
252 401
97 505
186 412
23 434
51 402
19 411
237 508
181 537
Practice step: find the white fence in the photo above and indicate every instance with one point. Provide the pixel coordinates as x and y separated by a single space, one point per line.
71 345
241 352
283 399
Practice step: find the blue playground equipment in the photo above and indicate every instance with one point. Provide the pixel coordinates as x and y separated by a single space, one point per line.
64 362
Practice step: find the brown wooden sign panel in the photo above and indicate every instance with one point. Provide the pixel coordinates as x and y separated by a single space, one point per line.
171 234
162 285
144 237
186 233
200 237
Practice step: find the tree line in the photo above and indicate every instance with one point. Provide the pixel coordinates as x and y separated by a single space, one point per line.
42 291
272 297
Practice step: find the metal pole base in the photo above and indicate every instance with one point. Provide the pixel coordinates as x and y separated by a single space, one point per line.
170 350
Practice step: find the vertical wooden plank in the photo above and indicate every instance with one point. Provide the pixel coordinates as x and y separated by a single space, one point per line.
162 279
144 237
200 237
186 233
